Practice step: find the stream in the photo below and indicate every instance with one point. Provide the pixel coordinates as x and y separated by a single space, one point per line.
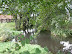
44 39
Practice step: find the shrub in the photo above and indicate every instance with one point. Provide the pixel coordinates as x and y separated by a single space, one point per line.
17 48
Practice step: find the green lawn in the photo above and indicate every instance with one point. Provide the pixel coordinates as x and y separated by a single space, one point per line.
10 25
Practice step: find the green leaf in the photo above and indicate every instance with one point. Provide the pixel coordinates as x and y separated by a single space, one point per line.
9 50
38 50
46 49
19 38
17 47
22 36
23 43
27 41
31 38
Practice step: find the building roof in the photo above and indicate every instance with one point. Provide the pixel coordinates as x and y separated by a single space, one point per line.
6 17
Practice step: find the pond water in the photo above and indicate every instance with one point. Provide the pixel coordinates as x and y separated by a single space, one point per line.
44 39
53 44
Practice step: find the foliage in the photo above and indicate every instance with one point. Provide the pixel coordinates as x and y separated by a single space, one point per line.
69 33
61 26
41 14
16 48
6 32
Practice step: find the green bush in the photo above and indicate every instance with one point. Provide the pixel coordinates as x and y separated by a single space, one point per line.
24 47
17 48
68 33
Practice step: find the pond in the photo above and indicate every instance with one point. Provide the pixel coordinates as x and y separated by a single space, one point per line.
53 44
44 39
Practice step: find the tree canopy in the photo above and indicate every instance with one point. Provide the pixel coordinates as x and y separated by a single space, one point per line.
45 14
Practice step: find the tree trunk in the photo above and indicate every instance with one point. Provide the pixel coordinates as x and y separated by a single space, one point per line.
16 22
24 25
20 21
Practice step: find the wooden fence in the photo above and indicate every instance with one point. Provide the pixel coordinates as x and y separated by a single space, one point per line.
6 20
